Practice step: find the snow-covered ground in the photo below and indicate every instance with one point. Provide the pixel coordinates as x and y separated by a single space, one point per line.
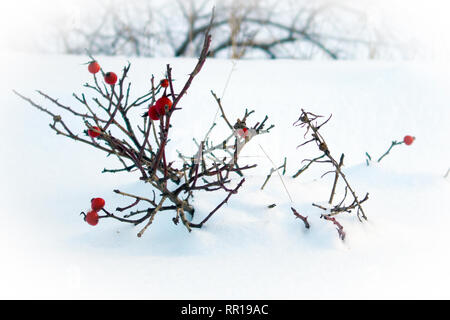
246 250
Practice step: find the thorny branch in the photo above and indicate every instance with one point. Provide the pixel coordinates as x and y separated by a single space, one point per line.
339 227
299 216
310 122
108 114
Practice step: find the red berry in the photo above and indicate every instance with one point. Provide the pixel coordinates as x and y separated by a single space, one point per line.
243 132
164 83
408 140
152 113
94 67
97 204
110 78
94 132
92 218
161 103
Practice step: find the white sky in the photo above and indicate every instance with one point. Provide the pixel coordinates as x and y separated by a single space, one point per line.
425 22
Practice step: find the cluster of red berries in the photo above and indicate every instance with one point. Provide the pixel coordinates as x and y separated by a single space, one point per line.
92 217
110 77
155 112
158 110
408 140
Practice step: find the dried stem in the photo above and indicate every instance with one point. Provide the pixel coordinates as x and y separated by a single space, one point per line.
394 143
336 177
299 216
272 170
153 214
339 227
309 121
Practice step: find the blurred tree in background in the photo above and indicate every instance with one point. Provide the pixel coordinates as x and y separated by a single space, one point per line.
242 29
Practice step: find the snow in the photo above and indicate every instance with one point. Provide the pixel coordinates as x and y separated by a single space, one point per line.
246 250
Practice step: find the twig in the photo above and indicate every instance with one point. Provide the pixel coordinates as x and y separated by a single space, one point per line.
336 177
299 216
394 143
153 214
282 181
340 228
221 110
272 170
301 170
199 225
308 120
